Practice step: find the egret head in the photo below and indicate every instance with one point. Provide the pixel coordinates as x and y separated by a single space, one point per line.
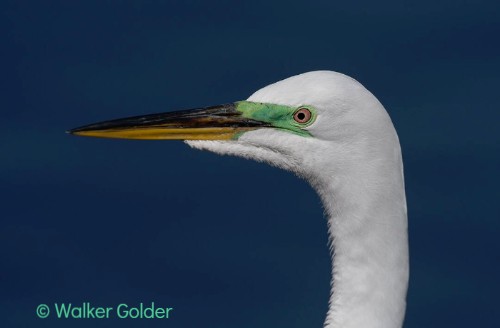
289 124
330 130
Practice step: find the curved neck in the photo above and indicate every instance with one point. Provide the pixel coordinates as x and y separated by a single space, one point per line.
366 207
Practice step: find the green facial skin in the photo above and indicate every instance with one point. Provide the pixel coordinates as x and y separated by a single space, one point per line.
279 116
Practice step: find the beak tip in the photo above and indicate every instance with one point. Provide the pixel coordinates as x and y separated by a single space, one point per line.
73 132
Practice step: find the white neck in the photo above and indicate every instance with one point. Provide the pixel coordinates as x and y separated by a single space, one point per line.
366 207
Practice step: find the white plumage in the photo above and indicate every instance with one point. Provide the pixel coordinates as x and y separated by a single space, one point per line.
353 160
330 130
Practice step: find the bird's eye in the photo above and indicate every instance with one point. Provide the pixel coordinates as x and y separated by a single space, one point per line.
302 115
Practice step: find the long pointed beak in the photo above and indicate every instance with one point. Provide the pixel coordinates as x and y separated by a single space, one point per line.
221 122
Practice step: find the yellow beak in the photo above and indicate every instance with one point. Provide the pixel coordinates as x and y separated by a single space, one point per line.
221 122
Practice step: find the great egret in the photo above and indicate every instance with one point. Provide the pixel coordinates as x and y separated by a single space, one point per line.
327 128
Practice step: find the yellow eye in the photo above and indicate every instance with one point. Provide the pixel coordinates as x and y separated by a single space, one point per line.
302 115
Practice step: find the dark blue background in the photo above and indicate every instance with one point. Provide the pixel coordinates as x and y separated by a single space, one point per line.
229 242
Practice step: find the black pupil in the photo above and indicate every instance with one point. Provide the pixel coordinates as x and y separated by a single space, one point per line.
301 116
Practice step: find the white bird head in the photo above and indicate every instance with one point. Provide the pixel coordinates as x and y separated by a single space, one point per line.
330 130
310 114
289 124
